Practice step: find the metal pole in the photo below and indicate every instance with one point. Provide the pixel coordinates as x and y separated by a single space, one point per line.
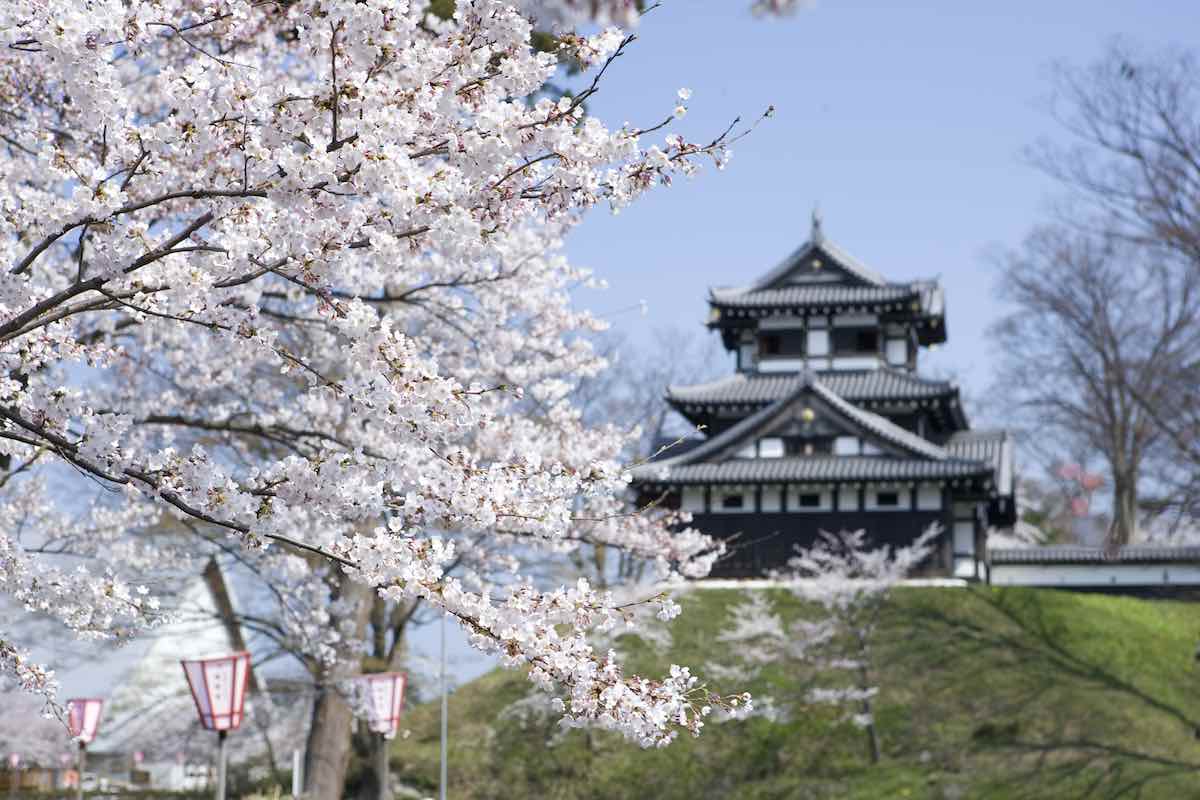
297 773
80 762
221 764
445 714
382 769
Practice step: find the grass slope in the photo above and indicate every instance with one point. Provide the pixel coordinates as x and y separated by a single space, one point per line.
988 693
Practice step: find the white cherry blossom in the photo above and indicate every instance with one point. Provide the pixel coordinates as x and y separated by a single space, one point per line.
291 274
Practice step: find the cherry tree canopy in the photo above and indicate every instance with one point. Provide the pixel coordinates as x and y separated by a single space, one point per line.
290 270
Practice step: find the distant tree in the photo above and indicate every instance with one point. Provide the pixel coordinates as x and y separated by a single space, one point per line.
1055 509
1090 347
1133 152
1131 165
27 732
846 585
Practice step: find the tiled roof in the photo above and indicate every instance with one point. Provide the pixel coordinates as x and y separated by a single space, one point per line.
817 294
756 388
1094 555
967 455
991 447
839 257
813 469
875 425
880 426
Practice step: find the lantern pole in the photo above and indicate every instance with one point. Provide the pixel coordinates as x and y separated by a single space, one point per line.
383 768
445 714
80 762
221 764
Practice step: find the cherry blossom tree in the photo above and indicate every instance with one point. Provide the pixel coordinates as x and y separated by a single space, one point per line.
25 732
285 271
845 584
851 584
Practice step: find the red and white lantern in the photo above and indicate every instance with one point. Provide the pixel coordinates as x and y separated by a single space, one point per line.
83 718
385 700
218 686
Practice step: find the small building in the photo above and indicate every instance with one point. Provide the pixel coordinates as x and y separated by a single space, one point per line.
827 424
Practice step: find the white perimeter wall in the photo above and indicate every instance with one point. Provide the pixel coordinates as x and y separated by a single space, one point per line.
1095 574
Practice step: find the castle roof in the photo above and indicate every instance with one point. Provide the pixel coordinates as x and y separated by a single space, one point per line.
754 388
819 246
819 469
906 456
820 278
918 296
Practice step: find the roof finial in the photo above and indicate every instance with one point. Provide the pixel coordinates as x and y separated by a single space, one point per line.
818 235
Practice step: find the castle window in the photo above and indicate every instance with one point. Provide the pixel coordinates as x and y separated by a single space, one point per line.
786 343
855 341
887 499
809 501
732 501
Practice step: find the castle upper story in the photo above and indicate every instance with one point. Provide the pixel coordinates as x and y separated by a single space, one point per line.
821 309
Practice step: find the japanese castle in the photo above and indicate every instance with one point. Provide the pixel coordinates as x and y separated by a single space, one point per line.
827 425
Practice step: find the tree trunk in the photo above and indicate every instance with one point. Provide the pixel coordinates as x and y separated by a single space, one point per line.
872 736
864 684
327 753
1125 498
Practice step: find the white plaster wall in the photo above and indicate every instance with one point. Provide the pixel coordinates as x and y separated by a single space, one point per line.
818 343
929 497
856 362
772 498
1095 574
964 537
692 499
780 364
848 498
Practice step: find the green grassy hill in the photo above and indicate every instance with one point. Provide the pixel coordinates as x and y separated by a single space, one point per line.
984 693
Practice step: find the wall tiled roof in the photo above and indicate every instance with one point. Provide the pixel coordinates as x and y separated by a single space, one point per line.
1094 555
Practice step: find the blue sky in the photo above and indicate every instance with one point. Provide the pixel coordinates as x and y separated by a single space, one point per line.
906 122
